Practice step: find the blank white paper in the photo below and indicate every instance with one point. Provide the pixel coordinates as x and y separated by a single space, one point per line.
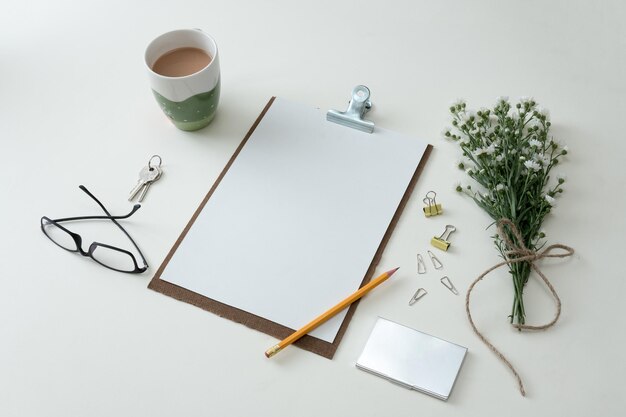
294 224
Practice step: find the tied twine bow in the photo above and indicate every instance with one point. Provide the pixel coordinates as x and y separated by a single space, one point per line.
518 252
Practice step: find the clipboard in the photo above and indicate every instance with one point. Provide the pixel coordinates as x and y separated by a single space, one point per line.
251 160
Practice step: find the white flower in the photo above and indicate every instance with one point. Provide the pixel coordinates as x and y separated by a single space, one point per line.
522 158
464 163
500 187
486 150
534 143
542 158
458 103
445 133
502 99
532 165
561 178
550 200
499 158
543 111
466 116
525 99
479 151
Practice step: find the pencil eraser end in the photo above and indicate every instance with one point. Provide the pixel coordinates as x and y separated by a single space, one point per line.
272 351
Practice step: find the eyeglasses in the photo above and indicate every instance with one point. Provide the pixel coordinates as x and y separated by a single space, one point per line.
106 255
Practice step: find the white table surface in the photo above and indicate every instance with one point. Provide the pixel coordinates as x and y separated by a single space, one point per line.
75 108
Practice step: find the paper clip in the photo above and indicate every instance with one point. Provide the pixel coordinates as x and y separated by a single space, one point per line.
442 242
421 266
449 285
432 208
418 294
436 263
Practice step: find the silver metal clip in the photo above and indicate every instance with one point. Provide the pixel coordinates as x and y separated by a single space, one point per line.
449 285
418 294
353 116
421 266
436 263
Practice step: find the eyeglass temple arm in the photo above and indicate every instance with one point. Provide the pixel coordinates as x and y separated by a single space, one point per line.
66 219
112 218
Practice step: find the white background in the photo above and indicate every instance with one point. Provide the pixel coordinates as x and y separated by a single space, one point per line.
75 108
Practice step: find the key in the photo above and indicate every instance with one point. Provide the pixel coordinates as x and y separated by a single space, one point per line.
146 175
144 190
140 183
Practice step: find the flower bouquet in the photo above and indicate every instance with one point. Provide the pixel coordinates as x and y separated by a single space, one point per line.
510 155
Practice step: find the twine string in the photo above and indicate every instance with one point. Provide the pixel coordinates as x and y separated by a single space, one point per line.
518 252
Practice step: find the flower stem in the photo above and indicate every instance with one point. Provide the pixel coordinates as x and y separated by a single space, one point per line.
520 273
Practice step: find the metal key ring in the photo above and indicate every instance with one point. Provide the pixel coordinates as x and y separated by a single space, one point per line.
150 161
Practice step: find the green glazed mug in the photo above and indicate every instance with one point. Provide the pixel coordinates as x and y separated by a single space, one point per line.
190 101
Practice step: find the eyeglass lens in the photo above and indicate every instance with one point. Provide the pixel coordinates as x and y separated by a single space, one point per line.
103 254
58 235
112 258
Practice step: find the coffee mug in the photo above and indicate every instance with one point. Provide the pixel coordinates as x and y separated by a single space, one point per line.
184 71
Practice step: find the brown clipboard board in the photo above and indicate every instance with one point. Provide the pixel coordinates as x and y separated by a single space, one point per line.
310 343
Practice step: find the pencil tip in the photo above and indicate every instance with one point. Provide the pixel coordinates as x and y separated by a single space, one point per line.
393 271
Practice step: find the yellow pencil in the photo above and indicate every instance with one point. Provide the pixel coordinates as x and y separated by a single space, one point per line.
328 314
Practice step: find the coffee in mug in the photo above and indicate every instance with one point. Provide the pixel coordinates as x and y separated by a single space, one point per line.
184 72
181 61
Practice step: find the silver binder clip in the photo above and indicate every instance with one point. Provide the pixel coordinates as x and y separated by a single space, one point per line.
418 294
436 263
421 266
353 116
449 285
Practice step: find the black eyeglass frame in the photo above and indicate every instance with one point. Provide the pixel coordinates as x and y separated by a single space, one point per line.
78 240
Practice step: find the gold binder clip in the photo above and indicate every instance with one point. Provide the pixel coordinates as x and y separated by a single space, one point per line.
432 207
441 242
